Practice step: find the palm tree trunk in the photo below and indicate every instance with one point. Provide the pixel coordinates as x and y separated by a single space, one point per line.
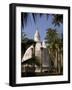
56 61
41 59
59 63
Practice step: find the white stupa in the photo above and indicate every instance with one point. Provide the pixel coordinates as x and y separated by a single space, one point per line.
41 52
37 36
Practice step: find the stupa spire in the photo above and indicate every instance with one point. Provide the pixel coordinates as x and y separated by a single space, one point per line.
37 36
43 44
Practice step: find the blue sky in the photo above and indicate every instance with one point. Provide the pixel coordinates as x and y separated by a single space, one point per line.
42 24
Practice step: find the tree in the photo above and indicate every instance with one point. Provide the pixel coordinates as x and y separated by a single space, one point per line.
24 17
51 36
25 42
57 19
55 44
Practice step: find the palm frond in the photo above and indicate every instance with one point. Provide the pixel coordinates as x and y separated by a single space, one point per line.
57 19
24 17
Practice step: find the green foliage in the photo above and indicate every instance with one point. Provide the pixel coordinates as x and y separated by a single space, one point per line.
51 36
55 45
25 17
57 19
53 40
25 43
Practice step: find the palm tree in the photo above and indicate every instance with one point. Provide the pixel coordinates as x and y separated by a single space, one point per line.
52 34
55 45
61 55
24 18
25 42
57 19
